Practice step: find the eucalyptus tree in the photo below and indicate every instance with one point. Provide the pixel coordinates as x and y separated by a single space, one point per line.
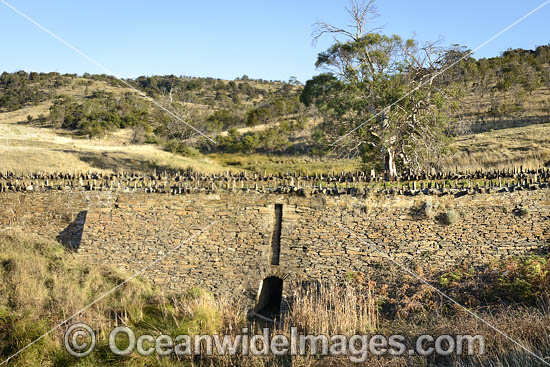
379 96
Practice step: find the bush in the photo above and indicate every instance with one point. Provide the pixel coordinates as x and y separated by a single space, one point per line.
272 139
526 280
178 147
99 113
20 88
450 217
139 135
425 210
451 278
521 212
41 118
225 119
249 143
142 134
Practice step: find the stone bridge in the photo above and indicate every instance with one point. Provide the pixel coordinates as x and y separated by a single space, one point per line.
260 246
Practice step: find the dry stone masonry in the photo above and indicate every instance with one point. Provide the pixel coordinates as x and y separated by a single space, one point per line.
283 228
335 184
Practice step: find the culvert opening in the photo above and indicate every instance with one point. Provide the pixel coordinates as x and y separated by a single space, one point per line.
270 297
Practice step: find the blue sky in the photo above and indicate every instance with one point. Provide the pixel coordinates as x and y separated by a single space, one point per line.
260 38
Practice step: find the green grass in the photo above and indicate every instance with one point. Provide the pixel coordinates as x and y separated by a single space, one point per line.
41 285
272 164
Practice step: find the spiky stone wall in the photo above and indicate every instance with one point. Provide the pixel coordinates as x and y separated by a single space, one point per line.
319 234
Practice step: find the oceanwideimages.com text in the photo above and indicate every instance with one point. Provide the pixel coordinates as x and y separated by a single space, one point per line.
80 341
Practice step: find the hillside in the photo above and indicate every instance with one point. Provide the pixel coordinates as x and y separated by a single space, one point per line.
55 122
64 122
28 148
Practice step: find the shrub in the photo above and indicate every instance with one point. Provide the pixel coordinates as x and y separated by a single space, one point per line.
142 134
225 119
139 135
425 210
99 113
178 147
41 118
521 212
451 278
449 217
526 280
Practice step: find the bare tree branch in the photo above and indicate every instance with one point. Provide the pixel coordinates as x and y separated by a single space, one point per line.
361 13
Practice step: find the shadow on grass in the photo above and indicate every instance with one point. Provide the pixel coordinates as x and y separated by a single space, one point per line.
507 123
108 161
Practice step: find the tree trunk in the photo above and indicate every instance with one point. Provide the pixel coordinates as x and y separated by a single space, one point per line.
389 163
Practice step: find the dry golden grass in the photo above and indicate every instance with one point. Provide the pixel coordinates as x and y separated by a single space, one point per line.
270 164
351 310
474 106
332 310
29 148
27 264
527 146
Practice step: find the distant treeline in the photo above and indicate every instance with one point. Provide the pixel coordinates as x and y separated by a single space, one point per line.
208 104
528 69
21 88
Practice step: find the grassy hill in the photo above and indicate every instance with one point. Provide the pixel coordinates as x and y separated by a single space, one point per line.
55 122
30 148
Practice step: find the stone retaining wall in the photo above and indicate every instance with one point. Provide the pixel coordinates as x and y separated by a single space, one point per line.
130 230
